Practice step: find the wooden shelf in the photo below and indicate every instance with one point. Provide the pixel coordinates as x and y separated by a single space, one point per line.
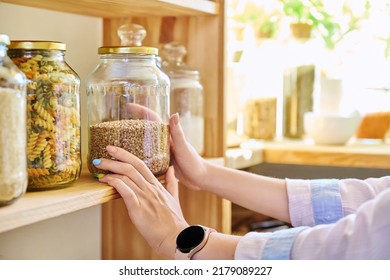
41 205
125 8
38 206
354 154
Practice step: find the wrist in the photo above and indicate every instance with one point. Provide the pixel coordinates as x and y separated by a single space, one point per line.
220 246
191 240
209 178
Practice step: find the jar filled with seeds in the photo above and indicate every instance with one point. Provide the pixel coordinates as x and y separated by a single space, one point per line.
53 113
13 170
186 94
128 104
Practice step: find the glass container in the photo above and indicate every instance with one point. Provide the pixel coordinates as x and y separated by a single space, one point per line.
262 88
186 94
13 168
53 113
128 104
298 79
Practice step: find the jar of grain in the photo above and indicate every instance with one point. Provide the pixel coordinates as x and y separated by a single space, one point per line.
128 105
53 113
186 94
13 170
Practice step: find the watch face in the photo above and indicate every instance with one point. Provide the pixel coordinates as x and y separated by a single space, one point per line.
189 238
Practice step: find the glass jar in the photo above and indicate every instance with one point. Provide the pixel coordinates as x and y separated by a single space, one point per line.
186 94
260 118
299 79
53 113
128 106
13 169
262 89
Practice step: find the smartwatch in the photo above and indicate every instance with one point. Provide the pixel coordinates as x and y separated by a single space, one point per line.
191 240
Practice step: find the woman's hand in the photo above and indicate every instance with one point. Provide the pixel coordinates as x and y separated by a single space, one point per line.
190 167
154 210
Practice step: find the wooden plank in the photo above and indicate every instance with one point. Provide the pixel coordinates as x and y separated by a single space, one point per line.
354 154
38 206
120 239
207 56
125 8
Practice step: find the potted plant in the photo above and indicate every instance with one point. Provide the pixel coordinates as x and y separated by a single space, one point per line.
263 18
313 12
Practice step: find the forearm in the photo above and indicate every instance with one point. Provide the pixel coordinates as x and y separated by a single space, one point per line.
261 194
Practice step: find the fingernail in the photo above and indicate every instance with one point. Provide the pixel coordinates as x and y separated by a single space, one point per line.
96 161
176 119
111 149
100 175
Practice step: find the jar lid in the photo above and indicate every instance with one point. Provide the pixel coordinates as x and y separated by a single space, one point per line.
4 39
127 50
37 45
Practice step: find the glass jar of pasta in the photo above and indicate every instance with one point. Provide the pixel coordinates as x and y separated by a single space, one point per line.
53 113
128 105
13 171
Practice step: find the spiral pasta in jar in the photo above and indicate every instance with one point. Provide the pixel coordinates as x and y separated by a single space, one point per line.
53 113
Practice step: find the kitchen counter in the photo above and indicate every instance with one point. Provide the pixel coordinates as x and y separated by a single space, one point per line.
369 154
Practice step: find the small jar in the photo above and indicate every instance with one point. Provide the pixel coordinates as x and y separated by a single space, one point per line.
128 105
53 113
186 94
260 118
13 170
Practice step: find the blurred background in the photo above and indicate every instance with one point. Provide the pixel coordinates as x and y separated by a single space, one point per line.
346 42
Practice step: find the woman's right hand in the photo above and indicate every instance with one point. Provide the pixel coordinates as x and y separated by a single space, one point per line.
190 167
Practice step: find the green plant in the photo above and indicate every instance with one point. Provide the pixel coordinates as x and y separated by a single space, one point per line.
314 13
264 20
333 32
301 11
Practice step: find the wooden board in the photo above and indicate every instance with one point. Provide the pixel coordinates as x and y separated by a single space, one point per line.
351 155
41 205
125 8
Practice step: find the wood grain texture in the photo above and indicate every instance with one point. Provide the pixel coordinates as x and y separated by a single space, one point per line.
353 155
125 8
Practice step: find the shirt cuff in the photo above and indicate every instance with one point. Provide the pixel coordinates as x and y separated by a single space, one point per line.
326 201
251 245
299 202
313 202
275 245
279 245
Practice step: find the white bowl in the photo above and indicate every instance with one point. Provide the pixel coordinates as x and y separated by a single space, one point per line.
330 129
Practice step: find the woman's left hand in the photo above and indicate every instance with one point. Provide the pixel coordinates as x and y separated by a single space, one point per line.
154 210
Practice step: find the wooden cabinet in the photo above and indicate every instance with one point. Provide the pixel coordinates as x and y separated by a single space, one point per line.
199 25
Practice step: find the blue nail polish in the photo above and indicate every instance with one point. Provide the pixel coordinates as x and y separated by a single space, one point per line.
96 161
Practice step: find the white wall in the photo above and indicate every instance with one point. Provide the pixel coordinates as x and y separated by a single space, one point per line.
77 235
